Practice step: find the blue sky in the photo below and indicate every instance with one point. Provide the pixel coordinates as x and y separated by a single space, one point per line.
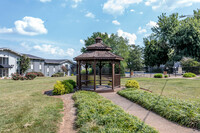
57 28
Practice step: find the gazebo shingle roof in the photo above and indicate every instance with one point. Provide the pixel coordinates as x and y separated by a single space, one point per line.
98 51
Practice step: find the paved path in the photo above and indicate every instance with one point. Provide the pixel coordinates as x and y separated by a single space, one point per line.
150 118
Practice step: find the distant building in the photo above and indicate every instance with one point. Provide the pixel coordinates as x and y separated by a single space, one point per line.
10 63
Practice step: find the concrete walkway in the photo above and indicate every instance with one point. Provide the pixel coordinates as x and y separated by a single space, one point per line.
150 118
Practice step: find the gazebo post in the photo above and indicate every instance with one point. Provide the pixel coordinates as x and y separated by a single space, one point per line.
113 75
100 73
79 75
86 69
119 75
94 67
77 79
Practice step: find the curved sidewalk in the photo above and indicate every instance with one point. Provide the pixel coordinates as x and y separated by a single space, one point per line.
150 118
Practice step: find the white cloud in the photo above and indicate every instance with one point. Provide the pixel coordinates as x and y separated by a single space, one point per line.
90 15
170 4
76 2
141 31
6 30
117 7
82 41
132 10
50 49
70 52
151 24
140 12
27 26
44 1
115 22
131 37
30 26
26 46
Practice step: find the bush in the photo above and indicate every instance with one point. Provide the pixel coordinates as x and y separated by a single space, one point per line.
31 75
72 74
189 75
59 74
182 112
68 87
39 74
132 84
96 114
17 76
166 76
72 82
158 75
55 75
59 88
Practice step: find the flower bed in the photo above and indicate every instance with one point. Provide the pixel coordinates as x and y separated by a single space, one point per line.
182 112
97 114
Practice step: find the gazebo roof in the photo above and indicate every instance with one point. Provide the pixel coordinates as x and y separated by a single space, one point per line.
98 51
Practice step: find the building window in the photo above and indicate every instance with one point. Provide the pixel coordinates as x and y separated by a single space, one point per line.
47 70
1 60
4 60
40 66
31 66
1 72
54 69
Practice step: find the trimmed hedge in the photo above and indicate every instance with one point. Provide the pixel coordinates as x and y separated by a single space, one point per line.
132 84
158 75
97 114
182 112
189 75
58 74
166 76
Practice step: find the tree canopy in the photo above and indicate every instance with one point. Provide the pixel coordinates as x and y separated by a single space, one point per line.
172 39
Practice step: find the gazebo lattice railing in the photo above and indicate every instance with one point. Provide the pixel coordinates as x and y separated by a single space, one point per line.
98 66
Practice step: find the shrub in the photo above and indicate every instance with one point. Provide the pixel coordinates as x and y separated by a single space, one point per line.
59 88
96 114
31 75
158 75
189 75
39 74
72 74
17 76
59 74
132 84
55 75
166 76
72 82
68 87
176 110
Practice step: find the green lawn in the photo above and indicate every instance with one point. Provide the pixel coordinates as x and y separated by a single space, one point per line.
24 108
187 89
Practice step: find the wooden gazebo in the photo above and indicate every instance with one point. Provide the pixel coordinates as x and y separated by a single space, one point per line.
96 56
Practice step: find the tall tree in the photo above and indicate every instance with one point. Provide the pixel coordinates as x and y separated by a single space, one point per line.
155 52
135 59
24 64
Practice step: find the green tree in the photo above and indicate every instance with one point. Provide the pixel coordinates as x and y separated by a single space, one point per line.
24 64
135 60
118 44
155 52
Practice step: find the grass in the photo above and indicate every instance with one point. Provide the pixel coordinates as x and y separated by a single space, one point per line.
97 114
186 89
24 107
180 111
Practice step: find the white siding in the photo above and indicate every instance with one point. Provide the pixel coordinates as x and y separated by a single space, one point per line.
12 61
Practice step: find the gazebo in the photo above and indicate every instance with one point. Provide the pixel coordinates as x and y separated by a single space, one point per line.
98 56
